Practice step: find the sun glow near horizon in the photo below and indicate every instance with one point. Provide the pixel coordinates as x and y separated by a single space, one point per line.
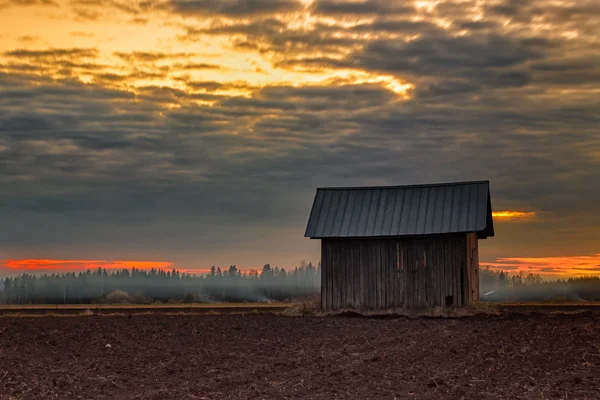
512 215
33 265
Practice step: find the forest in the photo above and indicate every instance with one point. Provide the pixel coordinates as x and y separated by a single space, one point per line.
233 285
147 286
501 286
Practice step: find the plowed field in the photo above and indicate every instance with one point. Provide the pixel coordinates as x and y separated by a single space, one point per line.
518 355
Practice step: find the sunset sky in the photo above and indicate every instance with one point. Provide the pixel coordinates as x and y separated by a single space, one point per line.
191 133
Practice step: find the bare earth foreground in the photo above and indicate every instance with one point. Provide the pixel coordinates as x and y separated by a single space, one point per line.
524 354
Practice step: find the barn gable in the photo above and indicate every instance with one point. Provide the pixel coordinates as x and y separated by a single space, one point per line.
397 211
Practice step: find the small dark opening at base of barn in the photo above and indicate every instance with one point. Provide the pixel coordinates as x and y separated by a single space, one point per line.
400 246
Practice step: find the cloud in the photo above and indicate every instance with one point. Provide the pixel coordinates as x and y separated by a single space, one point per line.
87 14
93 10
31 3
28 39
336 8
81 34
234 8
161 149
151 56
54 53
199 66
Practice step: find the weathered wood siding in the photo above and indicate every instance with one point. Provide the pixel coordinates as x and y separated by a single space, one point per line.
367 274
473 265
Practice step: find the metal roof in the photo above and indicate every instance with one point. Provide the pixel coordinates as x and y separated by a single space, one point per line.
412 210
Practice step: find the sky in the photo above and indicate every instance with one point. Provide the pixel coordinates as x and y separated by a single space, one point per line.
192 133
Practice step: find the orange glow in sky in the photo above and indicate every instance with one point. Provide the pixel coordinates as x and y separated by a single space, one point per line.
81 265
548 267
61 266
513 215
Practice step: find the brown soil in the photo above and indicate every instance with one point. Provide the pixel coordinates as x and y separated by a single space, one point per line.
535 355
127 309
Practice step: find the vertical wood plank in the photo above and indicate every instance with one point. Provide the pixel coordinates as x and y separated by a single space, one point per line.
345 256
436 273
469 264
392 261
323 282
454 271
340 276
379 280
447 272
455 274
457 271
408 272
331 274
405 274
330 277
476 269
350 249
370 268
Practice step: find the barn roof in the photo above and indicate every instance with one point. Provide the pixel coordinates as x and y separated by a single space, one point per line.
412 210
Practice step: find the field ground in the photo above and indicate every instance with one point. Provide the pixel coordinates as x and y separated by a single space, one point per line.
235 308
528 353
110 309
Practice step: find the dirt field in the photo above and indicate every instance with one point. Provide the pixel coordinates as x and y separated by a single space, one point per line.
133 309
530 354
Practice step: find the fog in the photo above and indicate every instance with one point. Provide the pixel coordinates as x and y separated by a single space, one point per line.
500 286
140 286
231 285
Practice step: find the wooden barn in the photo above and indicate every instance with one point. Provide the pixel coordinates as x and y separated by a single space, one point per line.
400 246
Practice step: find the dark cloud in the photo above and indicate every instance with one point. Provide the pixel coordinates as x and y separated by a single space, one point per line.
96 9
234 8
7 3
336 8
87 14
432 55
28 38
157 168
151 57
200 66
258 28
58 53
81 34
526 12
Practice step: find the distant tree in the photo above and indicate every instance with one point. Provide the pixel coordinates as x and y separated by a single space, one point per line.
267 272
233 271
502 279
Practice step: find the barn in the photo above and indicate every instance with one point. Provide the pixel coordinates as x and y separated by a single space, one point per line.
400 246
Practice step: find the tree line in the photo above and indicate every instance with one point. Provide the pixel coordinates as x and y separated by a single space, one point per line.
231 285
532 287
146 286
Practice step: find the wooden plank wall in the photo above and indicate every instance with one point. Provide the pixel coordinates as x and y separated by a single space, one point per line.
473 266
367 274
473 246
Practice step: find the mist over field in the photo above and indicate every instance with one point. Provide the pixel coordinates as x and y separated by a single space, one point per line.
500 286
137 286
141 286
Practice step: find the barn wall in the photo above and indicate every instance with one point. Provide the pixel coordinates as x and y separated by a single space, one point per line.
473 265
368 274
